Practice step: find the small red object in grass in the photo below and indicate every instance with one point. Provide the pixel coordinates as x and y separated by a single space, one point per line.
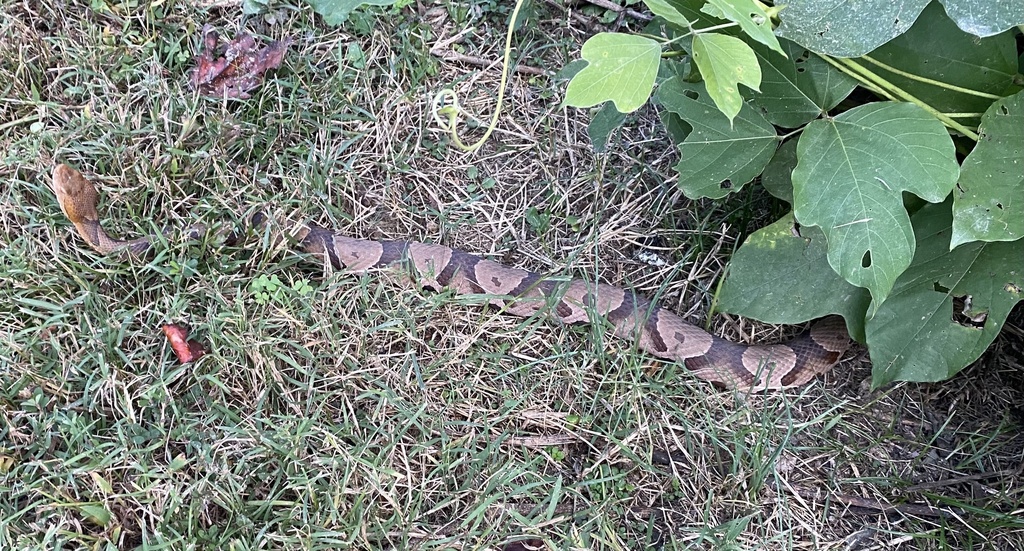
187 351
239 69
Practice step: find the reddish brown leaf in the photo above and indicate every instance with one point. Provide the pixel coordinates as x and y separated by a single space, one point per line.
236 71
186 350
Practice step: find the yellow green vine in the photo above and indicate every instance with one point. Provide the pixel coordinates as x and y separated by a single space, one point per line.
454 109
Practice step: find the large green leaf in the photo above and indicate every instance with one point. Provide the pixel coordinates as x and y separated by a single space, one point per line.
725 62
847 28
989 202
985 17
717 157
849 179
751 17
780 276
934 48
947 307
621 69
335 12
798 87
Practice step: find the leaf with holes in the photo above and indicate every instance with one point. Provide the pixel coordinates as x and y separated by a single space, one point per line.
847 28
985 17
718 156
850 174
779 276
947 307
989 202
798 87
726 62
621 69
750 16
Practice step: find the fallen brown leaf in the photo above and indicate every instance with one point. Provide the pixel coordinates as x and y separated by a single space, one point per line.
236 71
186 350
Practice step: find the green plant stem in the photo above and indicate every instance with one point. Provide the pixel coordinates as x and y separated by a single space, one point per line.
786 136
454 110
906 96
926 80
699 31
871 87
963 115
863 74
714 28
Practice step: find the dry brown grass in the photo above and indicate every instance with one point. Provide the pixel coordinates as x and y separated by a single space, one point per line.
369 414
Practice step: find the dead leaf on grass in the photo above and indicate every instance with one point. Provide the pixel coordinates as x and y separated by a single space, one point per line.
186 350
236 71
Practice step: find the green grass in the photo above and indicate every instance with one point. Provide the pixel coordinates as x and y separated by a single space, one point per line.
366 413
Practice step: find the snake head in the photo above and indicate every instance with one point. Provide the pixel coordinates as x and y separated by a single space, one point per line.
76 195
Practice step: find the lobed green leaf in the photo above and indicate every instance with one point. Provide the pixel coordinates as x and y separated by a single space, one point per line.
718 156
850 175
725 62
621 69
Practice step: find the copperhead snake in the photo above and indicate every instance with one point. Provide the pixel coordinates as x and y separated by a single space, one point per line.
654 329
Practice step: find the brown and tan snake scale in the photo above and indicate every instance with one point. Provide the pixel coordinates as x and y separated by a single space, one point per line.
655 330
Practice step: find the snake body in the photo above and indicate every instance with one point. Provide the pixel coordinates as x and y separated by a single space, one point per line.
654 329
